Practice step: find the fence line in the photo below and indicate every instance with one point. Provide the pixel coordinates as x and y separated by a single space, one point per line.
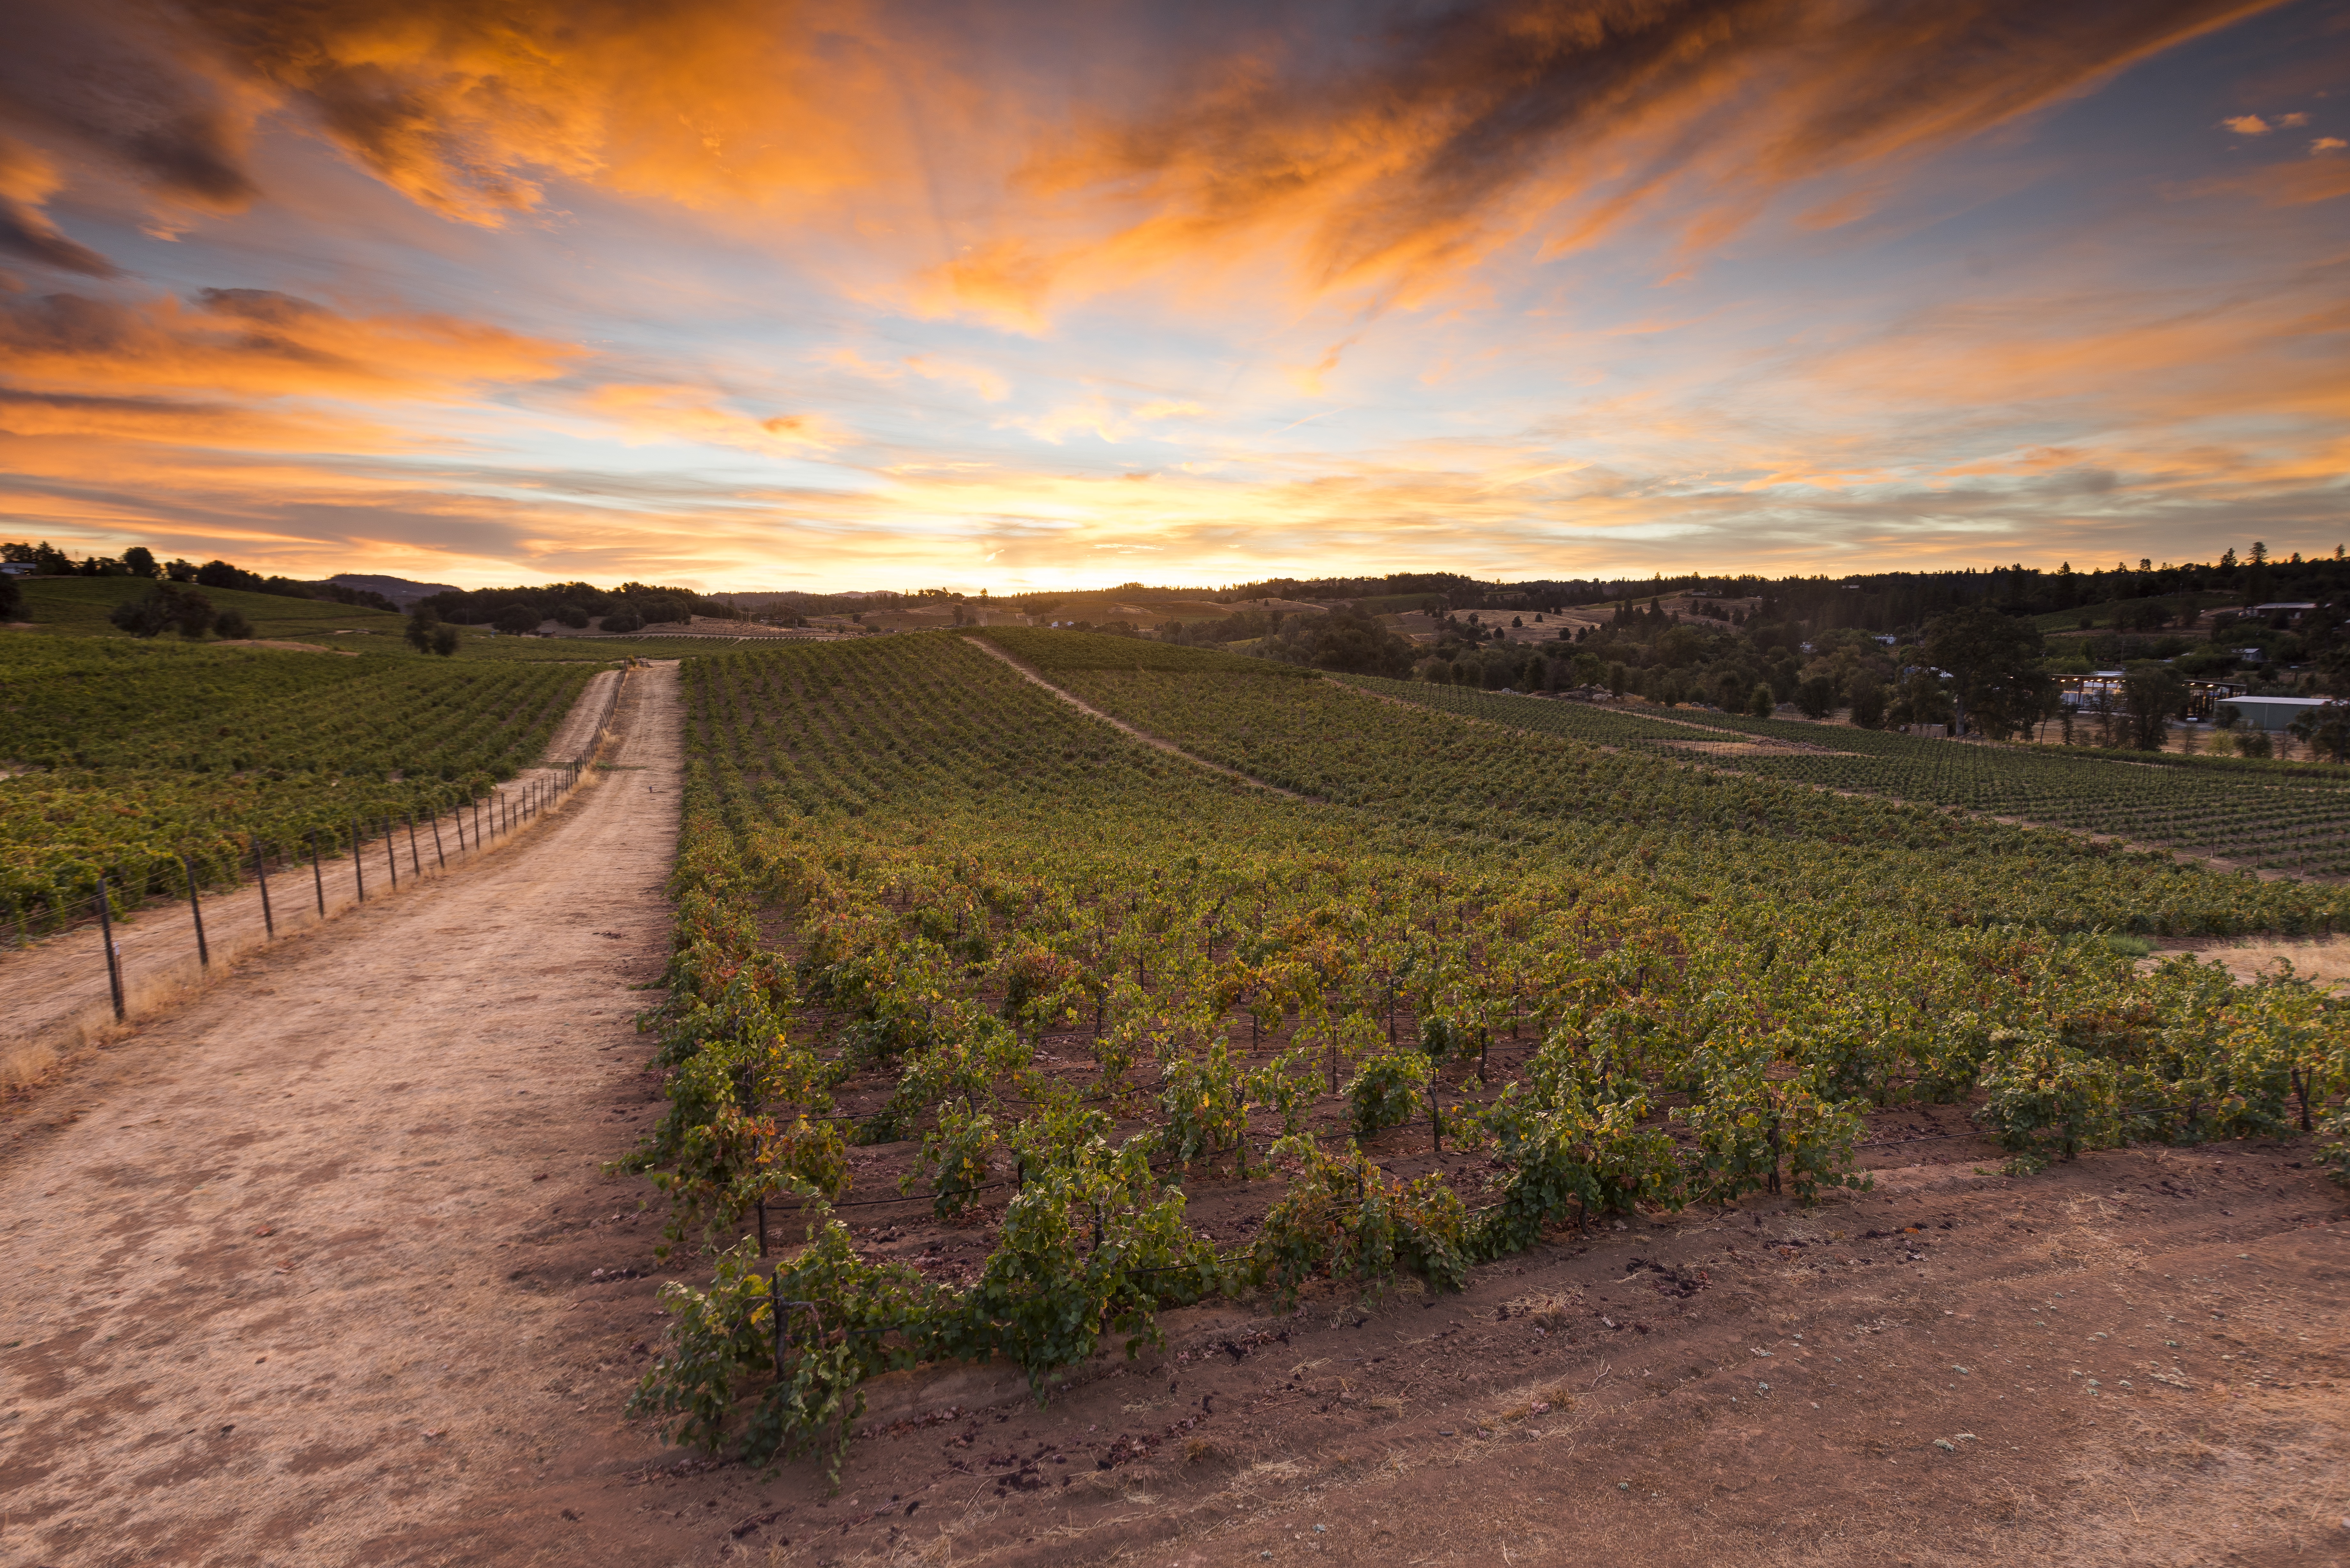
512 808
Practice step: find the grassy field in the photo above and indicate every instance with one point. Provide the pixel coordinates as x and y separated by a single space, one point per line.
78 607
2103 617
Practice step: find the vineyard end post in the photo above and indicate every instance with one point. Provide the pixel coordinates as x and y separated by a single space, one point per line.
318 874
113 959
359 867
195 908
391 854
261 875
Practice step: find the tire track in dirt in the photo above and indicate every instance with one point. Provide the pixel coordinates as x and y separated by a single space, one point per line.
1028 672
292 1271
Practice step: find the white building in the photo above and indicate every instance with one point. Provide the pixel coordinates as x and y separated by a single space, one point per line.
2272 712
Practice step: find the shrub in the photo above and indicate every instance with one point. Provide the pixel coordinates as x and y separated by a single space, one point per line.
1576 1149
1384 1090
1205 1101
1344 1217
231 623
2046 1100
2335 1155
957 1151
167 604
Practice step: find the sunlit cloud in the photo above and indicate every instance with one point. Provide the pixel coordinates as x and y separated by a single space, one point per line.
736 293
263 343
648 413
977 378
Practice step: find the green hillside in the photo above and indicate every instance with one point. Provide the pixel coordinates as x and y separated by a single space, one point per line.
78 607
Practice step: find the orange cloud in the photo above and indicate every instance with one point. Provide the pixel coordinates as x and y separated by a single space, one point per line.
469 108
688 413
27 180
1385 155
260 343
196 424
1394 158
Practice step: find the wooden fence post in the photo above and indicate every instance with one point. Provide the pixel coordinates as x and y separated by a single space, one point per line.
113 960
261 875
203 953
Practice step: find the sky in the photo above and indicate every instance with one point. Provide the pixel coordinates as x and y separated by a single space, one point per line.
866 295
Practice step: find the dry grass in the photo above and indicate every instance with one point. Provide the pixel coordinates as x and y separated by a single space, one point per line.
2326 959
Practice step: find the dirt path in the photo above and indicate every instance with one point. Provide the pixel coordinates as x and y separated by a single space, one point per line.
2138 1358
1028 672
573 740
294 1272
58 995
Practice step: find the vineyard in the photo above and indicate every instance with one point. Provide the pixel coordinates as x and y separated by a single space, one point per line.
948 947
2274 815
128 757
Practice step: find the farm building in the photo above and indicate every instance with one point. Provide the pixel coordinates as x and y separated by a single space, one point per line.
2272 712
2083 691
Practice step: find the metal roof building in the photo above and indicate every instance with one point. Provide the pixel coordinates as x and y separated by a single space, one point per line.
2272 712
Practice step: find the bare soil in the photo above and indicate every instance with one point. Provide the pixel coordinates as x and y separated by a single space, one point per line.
1759 748
289 1267
2325 960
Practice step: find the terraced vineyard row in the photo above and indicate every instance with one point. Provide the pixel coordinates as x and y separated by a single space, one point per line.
2272 815
1063 985
135 755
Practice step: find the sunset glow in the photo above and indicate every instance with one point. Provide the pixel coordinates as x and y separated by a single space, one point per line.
744 294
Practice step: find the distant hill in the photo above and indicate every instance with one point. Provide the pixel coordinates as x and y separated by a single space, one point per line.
400 591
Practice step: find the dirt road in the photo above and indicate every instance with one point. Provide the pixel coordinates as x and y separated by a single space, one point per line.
282 1266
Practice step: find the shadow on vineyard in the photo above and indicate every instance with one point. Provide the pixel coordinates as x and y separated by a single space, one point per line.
996 1038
